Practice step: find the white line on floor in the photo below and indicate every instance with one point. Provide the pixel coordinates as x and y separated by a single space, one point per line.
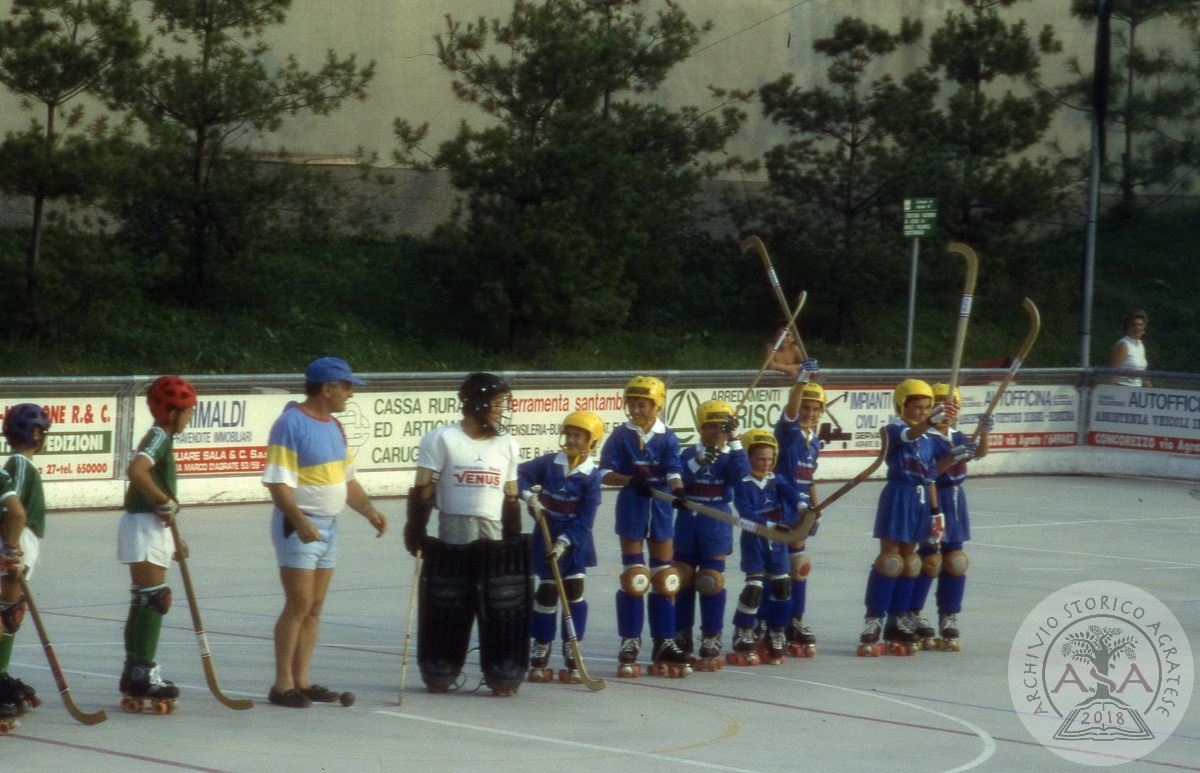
1176 564
1029 524
563 742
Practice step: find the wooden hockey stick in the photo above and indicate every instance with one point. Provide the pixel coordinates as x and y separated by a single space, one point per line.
1035 327
754 527
770 356
813 513
964 313
78 714
595 685
756 244
412 607
210 673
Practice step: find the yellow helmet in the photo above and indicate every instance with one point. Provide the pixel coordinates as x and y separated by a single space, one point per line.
713 411
941 390
759 437
910 387
589 423
813 392
647 387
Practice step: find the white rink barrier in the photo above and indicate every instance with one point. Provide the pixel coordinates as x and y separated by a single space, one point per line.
1063 426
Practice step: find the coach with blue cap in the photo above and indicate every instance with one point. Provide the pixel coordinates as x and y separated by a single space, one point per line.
310 474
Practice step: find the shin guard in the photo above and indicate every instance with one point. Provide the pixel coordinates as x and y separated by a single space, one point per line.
446 611
504 608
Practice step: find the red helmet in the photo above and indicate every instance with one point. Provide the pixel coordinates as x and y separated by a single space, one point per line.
169 393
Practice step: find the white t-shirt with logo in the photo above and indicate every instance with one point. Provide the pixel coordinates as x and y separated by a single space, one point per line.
472 472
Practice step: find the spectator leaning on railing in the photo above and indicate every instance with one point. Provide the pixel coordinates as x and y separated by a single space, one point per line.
1130 352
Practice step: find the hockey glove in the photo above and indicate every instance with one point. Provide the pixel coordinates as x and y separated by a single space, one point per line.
943 412
679 502
807 369
937 527
557 549
987 424
12 559
166 511
816 525
964 452
641 486
730 426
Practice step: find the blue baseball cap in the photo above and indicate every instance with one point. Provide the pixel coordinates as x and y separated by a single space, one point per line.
325 369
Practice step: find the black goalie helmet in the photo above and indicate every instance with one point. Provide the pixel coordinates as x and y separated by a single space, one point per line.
478 393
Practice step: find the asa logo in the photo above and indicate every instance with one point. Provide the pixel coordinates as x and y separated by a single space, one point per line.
681 415
478 478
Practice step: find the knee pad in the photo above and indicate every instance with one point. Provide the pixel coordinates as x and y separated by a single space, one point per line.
545 599
709 582
750 599
781 588
157 598
912 565
635 580
665 580
956 562
574 588
889 564
931 564
687 573
12 615
801 566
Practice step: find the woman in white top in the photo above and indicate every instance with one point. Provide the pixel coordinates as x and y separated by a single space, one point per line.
1130 351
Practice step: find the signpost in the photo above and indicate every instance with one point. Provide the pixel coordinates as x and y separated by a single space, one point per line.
920 219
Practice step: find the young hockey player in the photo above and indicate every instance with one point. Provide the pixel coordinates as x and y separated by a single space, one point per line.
643 455
479 565
799 447
711 470
22 526
569 496
905 516
145 544
952 450
764 497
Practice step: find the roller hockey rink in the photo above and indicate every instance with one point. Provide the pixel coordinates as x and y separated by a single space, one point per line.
935 711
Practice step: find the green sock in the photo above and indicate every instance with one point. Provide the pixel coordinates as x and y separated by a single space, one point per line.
141 634
6 648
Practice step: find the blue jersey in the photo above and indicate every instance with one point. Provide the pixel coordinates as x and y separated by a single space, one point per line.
770 500
654 456
798 452
903 513
713 484
570 498
957 473
952 500
908 461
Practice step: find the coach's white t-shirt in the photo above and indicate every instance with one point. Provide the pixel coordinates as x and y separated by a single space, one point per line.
473 472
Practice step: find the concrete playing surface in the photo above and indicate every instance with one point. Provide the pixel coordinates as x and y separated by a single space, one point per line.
935 711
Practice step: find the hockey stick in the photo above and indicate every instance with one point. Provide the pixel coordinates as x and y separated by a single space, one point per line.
210 673
964 313
755 243
595 685
1035 327
412 607
78 714
745 524
813 513
774 350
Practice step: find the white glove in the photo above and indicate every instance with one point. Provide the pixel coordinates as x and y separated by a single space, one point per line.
943 412
807 369
965 451
167 510
937 528
560 546
987 424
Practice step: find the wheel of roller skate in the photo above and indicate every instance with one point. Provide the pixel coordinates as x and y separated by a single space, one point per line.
163 706
949 645
567 677
540 675
131 704
871 650
903 648
7 726
504 693
33 702
629 671
710 664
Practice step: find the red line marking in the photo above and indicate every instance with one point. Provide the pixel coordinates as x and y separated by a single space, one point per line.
110 752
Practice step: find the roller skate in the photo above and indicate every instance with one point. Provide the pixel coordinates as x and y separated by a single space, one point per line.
683 640
776 646
144 690
899 635
868 640
539 662
745 648
923 630
8 717
668 660
18 693
569 674
801 642
947 640
627 665
710 653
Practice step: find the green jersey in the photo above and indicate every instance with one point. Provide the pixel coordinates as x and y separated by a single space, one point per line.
28 485
158 448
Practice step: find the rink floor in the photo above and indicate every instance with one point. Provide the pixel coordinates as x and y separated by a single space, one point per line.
935 711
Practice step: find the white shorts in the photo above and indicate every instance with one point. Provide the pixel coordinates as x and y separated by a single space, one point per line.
31 547
294 554
144 537
465 529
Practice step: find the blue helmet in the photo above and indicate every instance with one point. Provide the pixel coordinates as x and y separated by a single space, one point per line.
20 420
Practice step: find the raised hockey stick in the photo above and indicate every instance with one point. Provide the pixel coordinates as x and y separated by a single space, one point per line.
210 673
412 607
813 513
78 714
754 527
756 244
595 685
964 313
770 356
1035 327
